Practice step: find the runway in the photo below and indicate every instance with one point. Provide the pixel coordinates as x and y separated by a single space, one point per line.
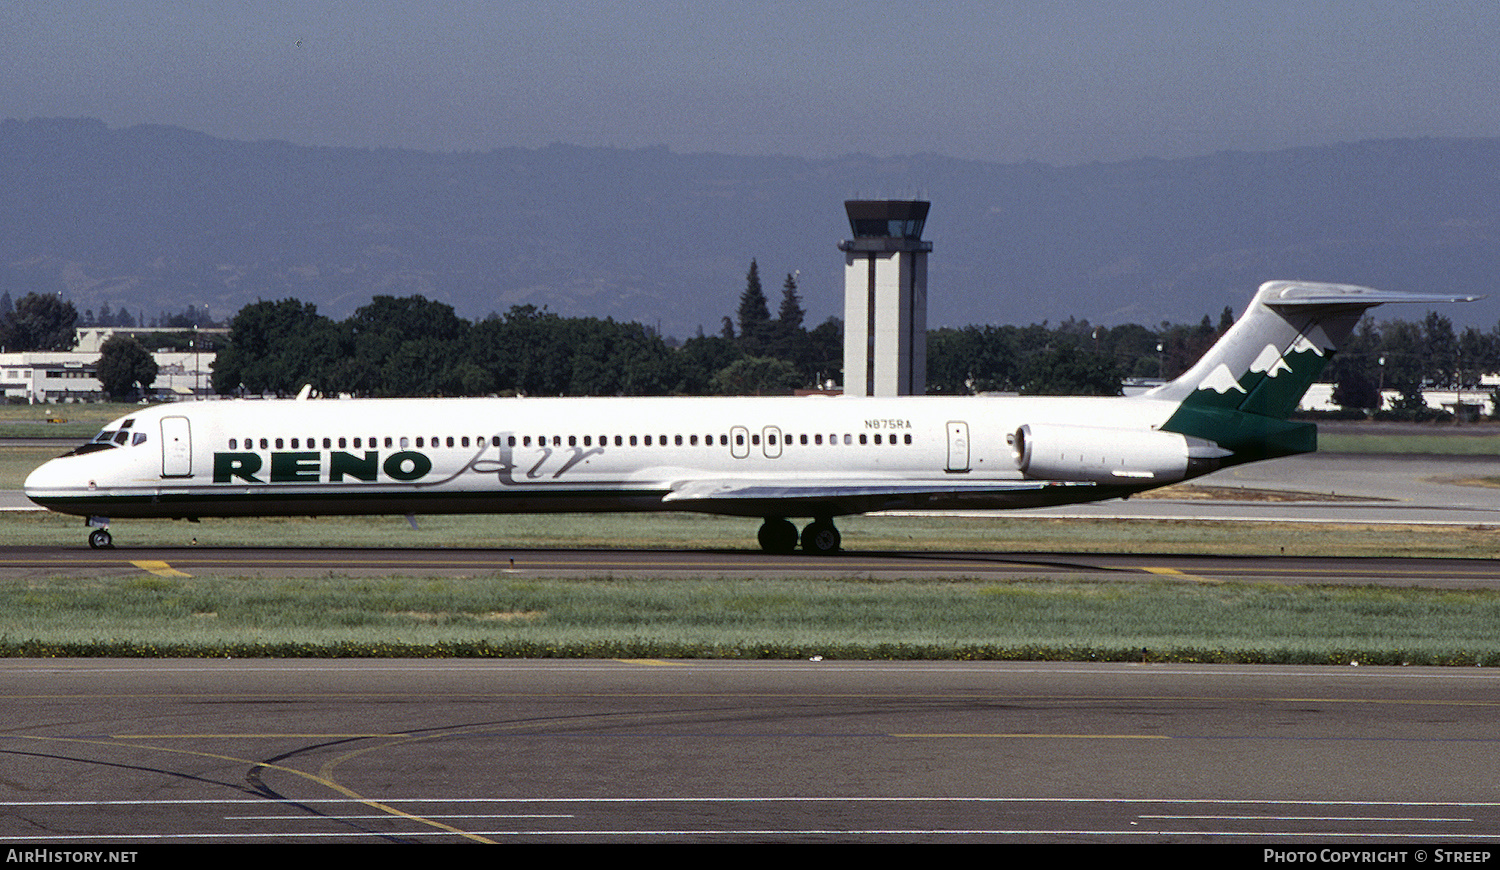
23 562
126 752
131 753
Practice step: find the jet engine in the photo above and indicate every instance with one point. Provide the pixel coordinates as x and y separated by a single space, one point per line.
1103 455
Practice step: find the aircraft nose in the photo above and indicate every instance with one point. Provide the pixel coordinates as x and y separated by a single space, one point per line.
47 479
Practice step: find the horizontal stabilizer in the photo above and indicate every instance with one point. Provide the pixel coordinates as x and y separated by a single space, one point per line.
1283 293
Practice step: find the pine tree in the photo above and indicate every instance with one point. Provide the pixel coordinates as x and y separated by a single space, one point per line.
755 313
790 316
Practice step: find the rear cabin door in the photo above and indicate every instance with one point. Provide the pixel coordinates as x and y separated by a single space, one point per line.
176 448
958 447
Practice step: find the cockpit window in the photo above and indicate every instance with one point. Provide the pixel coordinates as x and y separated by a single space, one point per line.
106 435
138 438
91 447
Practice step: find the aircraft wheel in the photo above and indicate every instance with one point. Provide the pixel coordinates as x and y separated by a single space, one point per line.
821 538
777 536
99 539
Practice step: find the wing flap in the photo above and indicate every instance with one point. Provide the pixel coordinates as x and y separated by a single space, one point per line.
764 490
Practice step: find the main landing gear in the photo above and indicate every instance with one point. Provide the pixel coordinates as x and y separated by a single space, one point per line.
820 538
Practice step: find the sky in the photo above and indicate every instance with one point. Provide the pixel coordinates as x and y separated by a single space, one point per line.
1061 83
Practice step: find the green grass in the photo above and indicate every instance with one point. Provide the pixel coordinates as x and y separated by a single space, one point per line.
77 422
955 618
1455 441
81 613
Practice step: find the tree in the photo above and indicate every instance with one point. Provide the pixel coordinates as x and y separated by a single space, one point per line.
756 376
1440 350
402 346
789 317
755 313
704 356
786 339
1070 371
1354 389
39 322
125 364
277 347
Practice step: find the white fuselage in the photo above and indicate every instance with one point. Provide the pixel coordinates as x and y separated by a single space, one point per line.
408 456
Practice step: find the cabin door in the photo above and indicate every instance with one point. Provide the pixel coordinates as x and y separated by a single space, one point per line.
739 442
176 448
958 447
772 442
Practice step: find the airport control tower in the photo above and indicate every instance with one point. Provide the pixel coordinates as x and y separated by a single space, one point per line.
885 298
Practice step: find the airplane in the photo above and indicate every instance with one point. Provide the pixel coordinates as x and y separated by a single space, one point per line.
775 458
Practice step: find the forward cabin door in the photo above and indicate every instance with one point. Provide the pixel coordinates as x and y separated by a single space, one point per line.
176 448
958 447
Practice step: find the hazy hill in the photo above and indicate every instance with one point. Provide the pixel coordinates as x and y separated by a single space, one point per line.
155 218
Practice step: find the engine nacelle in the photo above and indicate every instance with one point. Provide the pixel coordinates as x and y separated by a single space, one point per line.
1099 454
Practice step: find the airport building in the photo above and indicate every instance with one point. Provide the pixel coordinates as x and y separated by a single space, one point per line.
37 377
885 298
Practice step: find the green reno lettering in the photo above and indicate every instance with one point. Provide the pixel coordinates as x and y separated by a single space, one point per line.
311 467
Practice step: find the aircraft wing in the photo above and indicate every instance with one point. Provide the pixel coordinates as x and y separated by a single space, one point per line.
855 495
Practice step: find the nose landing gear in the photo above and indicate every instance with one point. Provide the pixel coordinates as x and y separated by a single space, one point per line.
100 538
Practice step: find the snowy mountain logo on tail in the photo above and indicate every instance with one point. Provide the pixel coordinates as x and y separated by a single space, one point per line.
1242 391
